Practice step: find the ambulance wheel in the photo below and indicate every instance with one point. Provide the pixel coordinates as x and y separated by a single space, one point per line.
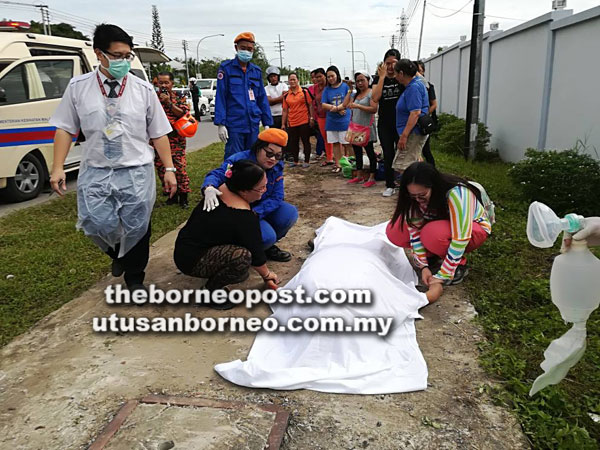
28 182
202 111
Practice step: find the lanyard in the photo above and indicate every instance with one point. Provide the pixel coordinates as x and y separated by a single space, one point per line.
104 90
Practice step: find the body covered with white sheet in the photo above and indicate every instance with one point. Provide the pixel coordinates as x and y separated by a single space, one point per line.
346 256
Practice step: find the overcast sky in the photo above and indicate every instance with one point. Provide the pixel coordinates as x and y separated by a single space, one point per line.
299 23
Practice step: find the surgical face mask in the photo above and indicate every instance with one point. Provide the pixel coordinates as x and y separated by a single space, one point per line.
244 55
118 68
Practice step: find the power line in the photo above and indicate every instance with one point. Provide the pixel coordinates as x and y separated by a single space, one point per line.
453 14
467 12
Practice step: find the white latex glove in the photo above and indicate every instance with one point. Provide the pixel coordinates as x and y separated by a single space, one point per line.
590 231
223 134
211 200
267 127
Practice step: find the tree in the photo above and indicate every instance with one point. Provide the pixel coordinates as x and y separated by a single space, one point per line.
157 39
209 67
260 59
58 29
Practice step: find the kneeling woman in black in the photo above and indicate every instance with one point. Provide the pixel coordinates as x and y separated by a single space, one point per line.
221 245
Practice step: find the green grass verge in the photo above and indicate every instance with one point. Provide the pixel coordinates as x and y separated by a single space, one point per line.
52 263
509 286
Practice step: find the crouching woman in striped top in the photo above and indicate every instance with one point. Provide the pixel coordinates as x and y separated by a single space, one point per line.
439 217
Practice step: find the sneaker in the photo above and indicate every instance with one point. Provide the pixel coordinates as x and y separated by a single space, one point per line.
292 164
368 184
173 200
388 192
356 180
305 165
459 275
274 253
116 268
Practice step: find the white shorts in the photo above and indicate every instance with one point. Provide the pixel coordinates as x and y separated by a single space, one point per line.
333 137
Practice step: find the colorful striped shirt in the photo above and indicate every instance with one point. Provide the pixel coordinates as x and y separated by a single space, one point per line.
464 209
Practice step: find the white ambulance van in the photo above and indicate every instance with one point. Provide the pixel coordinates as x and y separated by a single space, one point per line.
35 70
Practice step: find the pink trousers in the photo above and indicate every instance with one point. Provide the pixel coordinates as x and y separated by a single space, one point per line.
435 237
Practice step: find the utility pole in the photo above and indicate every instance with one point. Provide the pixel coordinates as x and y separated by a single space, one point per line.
474 79
421 33
185 49
279 47
393 41
403 34
45 18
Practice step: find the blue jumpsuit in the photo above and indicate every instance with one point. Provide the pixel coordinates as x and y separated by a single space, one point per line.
276 216
241 104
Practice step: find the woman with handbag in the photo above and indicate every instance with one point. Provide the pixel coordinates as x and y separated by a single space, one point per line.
361 132
297 120
335 100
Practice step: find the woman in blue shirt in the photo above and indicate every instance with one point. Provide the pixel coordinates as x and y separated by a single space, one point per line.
335 99
412 104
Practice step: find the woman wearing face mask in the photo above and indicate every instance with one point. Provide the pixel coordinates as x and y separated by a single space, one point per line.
297 119
386 92
335 100
321 113
223 244
439 217
363 111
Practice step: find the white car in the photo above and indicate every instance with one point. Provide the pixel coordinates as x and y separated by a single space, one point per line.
202 101
212 109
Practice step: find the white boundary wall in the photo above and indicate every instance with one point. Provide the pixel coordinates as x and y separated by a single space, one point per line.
539 85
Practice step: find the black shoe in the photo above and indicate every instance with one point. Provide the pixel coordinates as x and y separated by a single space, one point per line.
183 201
137 287
172 200
116 268
459 275
274 253
311 244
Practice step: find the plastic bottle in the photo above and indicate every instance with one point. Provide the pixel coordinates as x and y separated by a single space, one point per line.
575 282
544 226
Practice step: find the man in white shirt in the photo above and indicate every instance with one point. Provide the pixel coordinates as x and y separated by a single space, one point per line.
118 114
275 90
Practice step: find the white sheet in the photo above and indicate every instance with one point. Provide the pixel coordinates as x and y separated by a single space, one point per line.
346 256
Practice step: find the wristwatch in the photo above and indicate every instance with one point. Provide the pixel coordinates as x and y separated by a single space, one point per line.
170 169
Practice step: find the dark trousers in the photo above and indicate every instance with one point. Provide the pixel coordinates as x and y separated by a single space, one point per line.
358 152
196 109
294 136
135 260
276 122
388 137
427 152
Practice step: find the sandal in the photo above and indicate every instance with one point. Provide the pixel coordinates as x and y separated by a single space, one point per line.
337 169
326 163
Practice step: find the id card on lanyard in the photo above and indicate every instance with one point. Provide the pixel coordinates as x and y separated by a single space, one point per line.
114 127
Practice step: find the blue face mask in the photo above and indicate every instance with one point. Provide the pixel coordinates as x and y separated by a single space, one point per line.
118 68
244 55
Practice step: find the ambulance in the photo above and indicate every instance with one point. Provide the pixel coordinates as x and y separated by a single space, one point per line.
35 70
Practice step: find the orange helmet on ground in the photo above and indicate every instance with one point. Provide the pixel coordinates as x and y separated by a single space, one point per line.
186 125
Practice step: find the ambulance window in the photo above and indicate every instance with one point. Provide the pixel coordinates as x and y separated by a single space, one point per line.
54 76
14 86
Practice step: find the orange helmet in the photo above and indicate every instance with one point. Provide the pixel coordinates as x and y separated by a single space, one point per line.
186 125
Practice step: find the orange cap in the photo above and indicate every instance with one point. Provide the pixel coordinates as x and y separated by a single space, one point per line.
245 36
274 136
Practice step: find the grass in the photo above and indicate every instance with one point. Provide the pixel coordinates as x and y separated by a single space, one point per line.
45 262
509 286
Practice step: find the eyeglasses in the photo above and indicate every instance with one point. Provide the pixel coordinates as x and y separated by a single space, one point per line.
269 153
128 57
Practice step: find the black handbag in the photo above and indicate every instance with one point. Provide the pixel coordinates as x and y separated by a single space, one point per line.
426 124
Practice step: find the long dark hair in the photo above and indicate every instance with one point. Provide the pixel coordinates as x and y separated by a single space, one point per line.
258 145
392 52
245 174
337 72
425 174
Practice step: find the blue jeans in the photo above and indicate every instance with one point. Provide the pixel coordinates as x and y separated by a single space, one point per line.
238 142
276 225
320 145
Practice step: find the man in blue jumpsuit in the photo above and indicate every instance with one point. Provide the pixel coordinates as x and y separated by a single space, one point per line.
241 101
276 216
